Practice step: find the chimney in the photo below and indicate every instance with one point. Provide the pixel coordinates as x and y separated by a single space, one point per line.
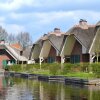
57 30
83 24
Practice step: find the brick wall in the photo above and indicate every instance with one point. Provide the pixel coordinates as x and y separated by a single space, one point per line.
77 50
52 52
4 56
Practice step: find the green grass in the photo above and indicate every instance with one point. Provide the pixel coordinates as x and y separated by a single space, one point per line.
69 70
81 75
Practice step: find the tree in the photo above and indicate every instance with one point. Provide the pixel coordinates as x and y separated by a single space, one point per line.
11 38
24 38
3 34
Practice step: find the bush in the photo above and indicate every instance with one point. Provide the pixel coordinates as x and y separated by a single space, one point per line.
15 68
54 68
45 66
67 68
84 67
96 69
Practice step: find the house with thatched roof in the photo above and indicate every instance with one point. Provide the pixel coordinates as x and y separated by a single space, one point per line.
11 54
35 51
52 45
78 43
95 46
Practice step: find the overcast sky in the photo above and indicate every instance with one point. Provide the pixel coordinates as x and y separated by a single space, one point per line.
42 16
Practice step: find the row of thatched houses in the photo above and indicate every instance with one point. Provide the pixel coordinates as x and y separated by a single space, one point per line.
80 43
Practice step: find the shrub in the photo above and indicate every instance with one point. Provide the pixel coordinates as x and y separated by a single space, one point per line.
45 66
67 68
84 67
54 68
76 67
96 69
16 68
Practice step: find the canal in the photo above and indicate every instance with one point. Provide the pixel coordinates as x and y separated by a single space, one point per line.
13 88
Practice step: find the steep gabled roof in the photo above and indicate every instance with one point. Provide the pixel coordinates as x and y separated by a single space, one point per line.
26 51
85 36
16 46
98 23
56 41
36 48
13 53
95 47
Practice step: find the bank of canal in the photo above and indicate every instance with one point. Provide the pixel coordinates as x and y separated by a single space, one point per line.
66 80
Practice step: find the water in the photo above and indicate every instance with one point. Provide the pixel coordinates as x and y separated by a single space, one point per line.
12 88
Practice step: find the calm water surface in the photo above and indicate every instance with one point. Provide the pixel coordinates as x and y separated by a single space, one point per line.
12 88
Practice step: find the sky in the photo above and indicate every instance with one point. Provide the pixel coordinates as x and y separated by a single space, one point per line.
39 17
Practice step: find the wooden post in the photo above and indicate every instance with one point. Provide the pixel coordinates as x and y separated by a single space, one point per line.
97 57
62 62
91 60
41 60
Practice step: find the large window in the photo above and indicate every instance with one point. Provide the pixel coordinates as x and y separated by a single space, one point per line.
75 59
51 59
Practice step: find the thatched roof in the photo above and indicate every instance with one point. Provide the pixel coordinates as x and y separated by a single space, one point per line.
98 23
85 36
17 46
26 51
52 40
35 50
56 41
95 47
14 54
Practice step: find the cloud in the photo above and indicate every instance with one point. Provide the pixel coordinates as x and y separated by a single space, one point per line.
48 5
2 19
44 18
41 16
12 5
44 21
13 28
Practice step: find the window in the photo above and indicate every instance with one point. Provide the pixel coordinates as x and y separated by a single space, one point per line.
75 59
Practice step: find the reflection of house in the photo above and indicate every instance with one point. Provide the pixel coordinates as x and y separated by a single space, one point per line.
52 45
11 54
77 44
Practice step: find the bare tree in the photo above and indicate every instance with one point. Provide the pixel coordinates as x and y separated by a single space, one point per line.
3 34
11 38
24 38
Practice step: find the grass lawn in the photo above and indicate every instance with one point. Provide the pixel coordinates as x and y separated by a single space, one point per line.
55 69
81 75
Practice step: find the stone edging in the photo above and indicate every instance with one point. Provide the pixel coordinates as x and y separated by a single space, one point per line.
66 80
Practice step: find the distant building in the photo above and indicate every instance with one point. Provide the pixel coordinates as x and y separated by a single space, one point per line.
11 54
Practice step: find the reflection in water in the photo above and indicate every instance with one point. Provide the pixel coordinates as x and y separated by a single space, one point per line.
12 88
